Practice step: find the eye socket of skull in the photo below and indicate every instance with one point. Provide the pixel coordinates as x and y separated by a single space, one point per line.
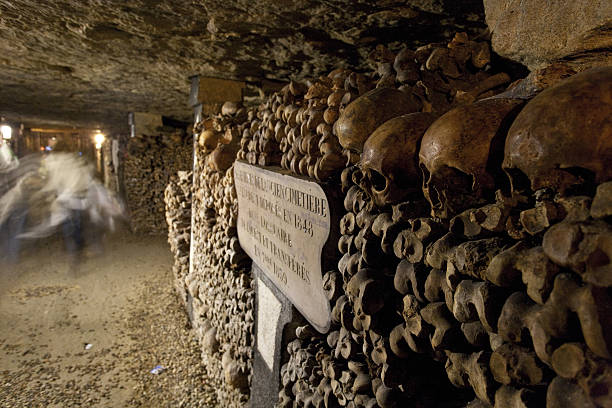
569 180
452 180
429 192
450 191
519 182
378 181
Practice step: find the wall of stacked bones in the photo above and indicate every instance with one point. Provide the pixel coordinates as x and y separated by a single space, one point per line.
177 197
148 164
474 261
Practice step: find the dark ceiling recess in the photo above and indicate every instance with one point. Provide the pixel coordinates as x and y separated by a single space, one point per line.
178 124
86 63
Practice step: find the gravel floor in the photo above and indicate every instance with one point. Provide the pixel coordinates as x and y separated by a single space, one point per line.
122 302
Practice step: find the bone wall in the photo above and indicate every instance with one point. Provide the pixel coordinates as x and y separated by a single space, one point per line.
474 253
504 288
177 197
295 127
148 164
220 281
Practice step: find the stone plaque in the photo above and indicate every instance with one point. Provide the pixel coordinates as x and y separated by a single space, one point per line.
283 224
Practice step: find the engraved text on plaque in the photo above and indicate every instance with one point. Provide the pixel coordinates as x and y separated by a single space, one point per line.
283 224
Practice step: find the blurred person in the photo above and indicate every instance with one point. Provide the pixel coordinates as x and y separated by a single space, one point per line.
8 160
11 222
68 177
63 195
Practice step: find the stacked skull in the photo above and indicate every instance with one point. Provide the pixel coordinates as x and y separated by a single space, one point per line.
220 282
149 163
177 197
501 281
475 243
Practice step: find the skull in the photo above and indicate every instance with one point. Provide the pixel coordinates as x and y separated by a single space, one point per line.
224 155
563 137
229 108
389 161
406 67
362 116
208 137
461 155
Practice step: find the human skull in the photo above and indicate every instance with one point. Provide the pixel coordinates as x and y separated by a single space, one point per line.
406 66
224 155
461 154
563 137
362 116
390 158
208 137
229 108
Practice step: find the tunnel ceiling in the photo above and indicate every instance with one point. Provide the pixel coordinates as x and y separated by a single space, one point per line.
89 62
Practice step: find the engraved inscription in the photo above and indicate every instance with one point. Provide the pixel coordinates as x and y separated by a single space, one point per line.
283 224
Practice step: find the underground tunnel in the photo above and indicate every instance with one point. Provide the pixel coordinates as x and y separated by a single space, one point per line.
306 204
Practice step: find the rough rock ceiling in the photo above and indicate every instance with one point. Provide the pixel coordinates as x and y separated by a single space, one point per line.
89 62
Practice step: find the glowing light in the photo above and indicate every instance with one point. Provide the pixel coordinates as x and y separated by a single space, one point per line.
99 139
98 146
7 132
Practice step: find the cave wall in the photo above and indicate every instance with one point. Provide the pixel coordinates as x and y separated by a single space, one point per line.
90 62
110 170
537 33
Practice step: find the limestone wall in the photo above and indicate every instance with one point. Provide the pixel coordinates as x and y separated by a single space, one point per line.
109 170
58 46
537 33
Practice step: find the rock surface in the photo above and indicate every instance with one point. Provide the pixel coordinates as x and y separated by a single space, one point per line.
537 33
89 62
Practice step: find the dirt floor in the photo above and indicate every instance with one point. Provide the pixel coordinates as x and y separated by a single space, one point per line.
89 336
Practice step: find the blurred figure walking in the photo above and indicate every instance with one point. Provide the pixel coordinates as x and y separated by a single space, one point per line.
62 194
11 223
